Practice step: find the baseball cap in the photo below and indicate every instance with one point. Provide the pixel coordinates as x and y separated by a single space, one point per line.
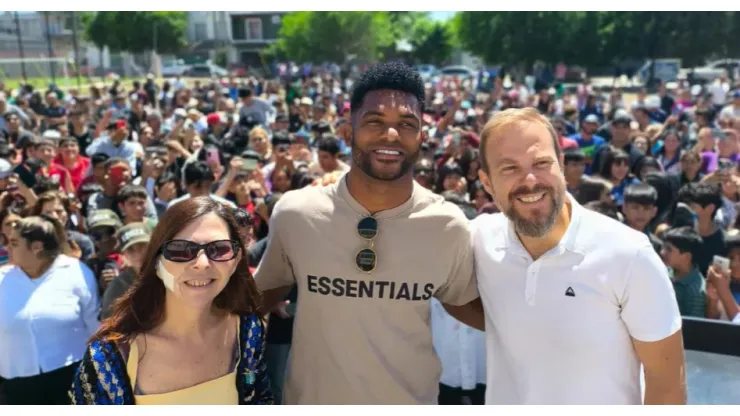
5 168
131 234
103 218
621 116
591 118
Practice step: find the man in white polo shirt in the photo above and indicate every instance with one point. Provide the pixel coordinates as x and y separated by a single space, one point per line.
574 302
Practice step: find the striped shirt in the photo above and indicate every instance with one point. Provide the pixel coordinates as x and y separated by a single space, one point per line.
691 293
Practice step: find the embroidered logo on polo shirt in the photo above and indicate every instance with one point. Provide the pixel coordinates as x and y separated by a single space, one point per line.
570 292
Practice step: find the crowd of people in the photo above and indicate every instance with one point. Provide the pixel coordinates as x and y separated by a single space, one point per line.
97 185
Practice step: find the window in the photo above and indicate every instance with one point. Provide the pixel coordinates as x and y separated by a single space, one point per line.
254 28
200 31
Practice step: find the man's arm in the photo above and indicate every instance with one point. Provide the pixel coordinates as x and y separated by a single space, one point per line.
665 371
471 314
274 275
650 313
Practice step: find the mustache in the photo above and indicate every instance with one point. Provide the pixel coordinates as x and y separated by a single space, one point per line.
523 190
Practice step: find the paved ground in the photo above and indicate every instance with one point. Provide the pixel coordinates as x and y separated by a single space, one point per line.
713 378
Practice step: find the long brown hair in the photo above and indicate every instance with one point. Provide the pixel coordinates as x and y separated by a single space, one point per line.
141 308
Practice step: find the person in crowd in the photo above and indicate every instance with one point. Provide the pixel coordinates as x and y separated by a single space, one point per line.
532 358
669 155
621 135
58 206
117 175
194 302
589 142
616 171
132 201
107 262
364 235
50 307
198 179
705 199
328 152
133 243
681 245
116 144
461 348
69 159
640 207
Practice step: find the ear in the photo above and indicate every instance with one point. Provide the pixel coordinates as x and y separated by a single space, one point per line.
486 182
37 247
653 211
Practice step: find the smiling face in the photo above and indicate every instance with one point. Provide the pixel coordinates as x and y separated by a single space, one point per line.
197 282
387 134
524 175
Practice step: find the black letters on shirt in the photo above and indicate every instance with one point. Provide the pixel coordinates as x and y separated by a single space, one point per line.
374 289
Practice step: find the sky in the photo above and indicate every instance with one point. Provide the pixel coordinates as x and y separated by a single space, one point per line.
441 15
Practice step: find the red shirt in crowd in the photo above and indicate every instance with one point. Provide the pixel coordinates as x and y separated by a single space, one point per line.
77 172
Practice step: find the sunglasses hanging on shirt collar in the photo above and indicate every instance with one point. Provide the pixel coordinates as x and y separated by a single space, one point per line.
366 259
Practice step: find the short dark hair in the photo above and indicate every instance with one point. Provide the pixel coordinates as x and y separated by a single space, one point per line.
131 191
243 217
195 173
685 239
98 158
114 161
602 208
573 155
702 194
166 178
388 76
642 194
330 144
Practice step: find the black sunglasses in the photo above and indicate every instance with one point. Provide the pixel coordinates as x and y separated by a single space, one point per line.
102 234
366 259
183 251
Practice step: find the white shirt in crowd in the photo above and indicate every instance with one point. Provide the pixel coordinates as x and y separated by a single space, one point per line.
45 323
558 329
461 349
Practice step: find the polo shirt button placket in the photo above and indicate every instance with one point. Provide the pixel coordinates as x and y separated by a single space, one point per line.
530 287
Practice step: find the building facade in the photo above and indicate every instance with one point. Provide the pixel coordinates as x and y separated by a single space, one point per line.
244 34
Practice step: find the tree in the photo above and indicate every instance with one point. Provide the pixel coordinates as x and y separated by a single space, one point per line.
432 42
334 36
137 32
598 39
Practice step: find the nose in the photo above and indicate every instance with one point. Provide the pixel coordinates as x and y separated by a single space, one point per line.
201 261
530 180
392 134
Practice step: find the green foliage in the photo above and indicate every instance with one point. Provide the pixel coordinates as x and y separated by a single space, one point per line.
334 36
135 31
597 38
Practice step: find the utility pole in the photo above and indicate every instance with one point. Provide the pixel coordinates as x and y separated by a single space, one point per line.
51 48
74 42
20 47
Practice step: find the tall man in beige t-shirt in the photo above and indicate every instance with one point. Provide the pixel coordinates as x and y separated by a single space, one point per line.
364 337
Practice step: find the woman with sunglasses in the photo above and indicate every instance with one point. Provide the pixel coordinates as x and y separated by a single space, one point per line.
48 309
616 171
187 331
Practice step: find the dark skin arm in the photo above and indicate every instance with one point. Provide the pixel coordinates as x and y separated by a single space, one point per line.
470 314
273 298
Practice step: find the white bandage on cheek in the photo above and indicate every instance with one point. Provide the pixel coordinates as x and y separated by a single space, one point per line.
167 278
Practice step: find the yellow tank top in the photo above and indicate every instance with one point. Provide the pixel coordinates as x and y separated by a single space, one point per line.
218 391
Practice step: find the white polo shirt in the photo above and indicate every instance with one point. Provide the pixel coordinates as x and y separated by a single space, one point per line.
558 329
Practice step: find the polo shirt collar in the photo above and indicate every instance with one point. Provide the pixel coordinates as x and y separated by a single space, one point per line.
569 242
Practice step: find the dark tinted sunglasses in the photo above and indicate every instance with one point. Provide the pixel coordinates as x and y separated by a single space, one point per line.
102 234
183 251
366 259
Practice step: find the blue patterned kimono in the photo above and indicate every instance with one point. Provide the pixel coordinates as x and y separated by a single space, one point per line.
102 377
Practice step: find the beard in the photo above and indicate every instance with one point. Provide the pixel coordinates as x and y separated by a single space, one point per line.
363 160
541 224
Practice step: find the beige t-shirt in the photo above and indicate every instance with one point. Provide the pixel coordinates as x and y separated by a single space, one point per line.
362 338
